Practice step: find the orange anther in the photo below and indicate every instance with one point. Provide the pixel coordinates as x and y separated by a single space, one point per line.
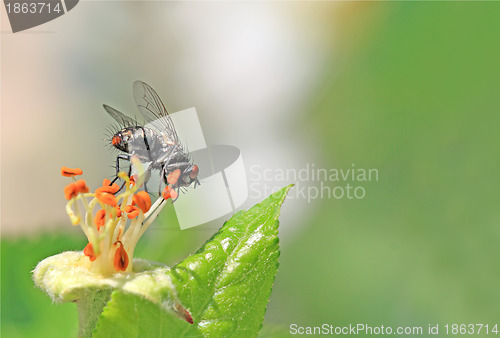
173 176
121 258
106 182
133 179
142 200
118 212
129 208
133 214
82 187
89 251
70 191
107 198
73 189
132 211
115 188
100 218
109 189
166 192
70 172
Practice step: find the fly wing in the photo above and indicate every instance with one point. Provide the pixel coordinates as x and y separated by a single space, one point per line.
153 110
119 117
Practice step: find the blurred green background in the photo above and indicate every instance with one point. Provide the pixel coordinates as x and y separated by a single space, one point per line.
412 90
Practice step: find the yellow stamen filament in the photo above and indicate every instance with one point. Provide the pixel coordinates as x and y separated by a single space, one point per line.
112 236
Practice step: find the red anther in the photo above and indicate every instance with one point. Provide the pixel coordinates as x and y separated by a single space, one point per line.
100 218
70 172
121 258
173 176
142 200
89 251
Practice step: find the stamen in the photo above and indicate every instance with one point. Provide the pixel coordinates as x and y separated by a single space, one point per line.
100 218
166 193
109 189
70 172
118 212
142 200
132 211
121 258
89 251
106 229
73 189
82 187
70 191
108 199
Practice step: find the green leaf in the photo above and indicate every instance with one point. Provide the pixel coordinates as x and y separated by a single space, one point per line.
225 286
27 312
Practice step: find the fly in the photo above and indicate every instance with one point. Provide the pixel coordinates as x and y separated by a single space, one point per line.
158 143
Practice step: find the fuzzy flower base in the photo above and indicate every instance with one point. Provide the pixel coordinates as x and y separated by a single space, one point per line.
65 279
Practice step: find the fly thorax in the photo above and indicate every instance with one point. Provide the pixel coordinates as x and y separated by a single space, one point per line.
167 140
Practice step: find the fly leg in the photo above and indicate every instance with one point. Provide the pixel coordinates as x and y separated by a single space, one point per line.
124 157
147 175
162 175
178 193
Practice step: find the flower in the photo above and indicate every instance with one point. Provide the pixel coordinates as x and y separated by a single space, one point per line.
112 221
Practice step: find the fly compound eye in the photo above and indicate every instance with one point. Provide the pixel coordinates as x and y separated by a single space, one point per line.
116 140
194 172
